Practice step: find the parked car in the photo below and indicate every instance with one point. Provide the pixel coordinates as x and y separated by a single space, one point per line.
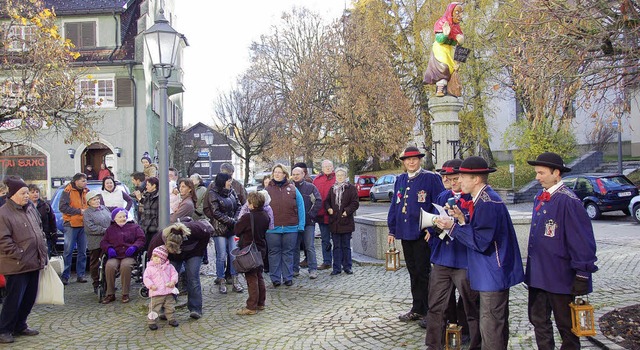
634 208
55 205
382 189
602 192
363 184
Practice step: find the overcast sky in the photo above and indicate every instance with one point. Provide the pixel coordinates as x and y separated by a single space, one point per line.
219 34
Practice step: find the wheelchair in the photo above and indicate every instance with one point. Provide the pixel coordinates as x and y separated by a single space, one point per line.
137 273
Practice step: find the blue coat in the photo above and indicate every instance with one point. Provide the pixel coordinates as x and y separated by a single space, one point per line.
448 252
561 243
412 194
493 254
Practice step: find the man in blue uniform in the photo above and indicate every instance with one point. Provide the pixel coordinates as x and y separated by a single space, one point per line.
562 254
416 189
449 258
493 254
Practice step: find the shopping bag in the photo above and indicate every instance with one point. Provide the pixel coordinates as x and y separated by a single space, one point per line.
57 263
50 287
454 88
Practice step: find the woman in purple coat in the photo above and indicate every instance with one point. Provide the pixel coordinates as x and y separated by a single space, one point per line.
121 241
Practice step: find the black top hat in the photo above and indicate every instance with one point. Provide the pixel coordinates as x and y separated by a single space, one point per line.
411 151
475 165
551 160
450 167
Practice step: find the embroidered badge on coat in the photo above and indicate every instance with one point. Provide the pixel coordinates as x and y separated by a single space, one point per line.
550 228
422 196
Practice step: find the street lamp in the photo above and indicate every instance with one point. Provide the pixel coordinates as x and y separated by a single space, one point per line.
207 137
619 111
162 41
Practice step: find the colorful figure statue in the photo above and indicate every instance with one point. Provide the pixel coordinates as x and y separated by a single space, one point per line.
448 35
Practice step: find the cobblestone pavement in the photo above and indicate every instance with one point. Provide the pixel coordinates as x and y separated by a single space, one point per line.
356 311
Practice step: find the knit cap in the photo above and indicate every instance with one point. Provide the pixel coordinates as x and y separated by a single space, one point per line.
14 184
162 253
116 211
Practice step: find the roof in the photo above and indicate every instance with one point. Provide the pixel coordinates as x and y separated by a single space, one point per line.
68 7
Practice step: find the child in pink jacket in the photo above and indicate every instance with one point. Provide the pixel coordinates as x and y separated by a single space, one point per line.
161 278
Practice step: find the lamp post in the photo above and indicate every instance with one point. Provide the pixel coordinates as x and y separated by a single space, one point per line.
208 139
162 41
619 110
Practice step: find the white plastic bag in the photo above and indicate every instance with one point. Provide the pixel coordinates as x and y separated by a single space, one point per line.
50 287
57 263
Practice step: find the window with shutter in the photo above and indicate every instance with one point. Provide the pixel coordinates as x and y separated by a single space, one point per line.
124 92
81 34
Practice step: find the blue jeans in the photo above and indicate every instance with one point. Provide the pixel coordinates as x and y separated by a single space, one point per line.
224 246
75 236
325 237
341 251
194 290
310 250
281 246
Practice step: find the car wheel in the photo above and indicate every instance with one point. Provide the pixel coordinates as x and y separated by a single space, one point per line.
373 198
636 212
390 196
593 211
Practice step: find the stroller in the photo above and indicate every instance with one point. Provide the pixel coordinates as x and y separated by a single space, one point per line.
136 275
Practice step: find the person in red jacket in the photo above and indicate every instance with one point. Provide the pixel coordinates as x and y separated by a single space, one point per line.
324 182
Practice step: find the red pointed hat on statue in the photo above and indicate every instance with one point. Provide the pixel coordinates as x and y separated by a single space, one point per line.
411 151
475 165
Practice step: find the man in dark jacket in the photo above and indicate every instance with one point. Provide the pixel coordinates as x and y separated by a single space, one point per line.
47 217
312 203
23 254
150 203
72 205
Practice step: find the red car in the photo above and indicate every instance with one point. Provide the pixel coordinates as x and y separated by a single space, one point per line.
364 184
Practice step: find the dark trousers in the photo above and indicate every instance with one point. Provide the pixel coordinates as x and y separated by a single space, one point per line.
256 288
541 303
21 292
494 319
94 266
341 251
417 257
441 284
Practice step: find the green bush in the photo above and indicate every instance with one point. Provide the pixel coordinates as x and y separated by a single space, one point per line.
502 177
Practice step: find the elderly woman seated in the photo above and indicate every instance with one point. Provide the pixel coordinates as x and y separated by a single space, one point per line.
121 241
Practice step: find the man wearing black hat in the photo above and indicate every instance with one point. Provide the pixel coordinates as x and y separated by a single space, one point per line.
493 254
23 253
449 272
561 254
414 190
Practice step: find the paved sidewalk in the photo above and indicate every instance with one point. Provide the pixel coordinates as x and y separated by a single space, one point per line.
332 312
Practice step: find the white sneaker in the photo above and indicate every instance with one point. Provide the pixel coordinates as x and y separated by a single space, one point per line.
313 274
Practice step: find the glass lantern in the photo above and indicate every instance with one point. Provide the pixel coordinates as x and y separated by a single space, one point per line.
453 337
392 258
582 318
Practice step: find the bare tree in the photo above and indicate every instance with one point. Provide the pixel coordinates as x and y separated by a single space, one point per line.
40 90
247 112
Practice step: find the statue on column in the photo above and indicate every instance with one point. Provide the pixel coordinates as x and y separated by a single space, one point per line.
446 52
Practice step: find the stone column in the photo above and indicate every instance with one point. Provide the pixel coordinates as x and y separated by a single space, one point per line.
445 127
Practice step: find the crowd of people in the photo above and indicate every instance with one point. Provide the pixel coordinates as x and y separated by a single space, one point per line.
472 250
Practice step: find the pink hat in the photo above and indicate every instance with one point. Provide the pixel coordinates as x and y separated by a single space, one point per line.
162 253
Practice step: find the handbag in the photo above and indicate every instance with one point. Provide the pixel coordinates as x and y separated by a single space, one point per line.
50 288
454 87
249 257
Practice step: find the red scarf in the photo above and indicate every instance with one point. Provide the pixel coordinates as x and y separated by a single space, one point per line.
468 205
543 197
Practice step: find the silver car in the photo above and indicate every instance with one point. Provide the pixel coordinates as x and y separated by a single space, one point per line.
383 188
634 208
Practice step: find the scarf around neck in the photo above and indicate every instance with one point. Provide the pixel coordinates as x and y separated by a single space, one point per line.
338 189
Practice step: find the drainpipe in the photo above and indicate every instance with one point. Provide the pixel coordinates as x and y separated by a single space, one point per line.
115 19
135 116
